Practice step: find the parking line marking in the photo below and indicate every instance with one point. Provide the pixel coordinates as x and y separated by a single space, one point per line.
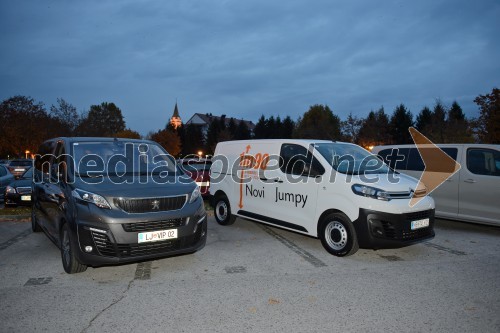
294 247
446 249
143 271
38 281
15 239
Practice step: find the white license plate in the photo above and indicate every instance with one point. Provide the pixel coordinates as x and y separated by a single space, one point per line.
155 236
419 224
18 169
26 197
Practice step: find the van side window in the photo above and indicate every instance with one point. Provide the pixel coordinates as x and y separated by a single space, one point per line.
60 162
481 161
3 172
297 160
42 162
397 165
416 163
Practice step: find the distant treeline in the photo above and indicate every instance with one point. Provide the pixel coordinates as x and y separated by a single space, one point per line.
25 124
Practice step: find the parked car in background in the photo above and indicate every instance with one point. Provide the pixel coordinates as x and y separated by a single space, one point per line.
18 192
18 167
5 179
199 171
4 162
472 194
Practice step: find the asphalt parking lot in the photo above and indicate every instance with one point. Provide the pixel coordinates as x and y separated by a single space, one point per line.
251 277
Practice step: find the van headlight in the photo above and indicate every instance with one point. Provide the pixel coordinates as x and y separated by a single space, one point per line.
370 192
96 199
195 194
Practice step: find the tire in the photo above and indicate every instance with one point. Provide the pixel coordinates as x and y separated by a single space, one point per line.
35 227
70 263
222 211
338 235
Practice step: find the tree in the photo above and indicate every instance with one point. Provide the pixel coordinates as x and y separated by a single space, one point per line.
457 127
374 130
318 122
169 140
242 131
350 128
66 113
231 127
401 121
288 128
488 123
212 136
193 140
260 130
24 125
424 119
438 123
105 119
128 134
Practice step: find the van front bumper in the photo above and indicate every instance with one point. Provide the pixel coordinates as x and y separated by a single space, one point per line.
380 230
116 243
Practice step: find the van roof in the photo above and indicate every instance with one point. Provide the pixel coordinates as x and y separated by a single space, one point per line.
94 139
298 141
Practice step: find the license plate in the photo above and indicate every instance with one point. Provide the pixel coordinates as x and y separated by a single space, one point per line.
419 224
18 169
155 236
26 197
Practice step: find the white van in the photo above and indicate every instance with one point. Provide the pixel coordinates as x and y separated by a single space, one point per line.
324 189
472 194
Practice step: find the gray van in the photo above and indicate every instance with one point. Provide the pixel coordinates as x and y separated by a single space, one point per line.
472 194
107 201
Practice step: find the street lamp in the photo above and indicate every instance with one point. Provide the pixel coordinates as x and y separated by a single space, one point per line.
26 153
200 153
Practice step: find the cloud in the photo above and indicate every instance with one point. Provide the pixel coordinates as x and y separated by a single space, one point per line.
249 58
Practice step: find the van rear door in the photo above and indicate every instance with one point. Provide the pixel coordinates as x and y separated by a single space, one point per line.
480 185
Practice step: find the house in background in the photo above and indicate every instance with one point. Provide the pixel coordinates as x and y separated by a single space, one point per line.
204 121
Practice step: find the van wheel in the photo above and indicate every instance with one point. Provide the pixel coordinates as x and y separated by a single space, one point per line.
35 227
338 235
70 263
222 211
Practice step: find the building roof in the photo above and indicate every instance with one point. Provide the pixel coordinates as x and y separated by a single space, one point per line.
207 118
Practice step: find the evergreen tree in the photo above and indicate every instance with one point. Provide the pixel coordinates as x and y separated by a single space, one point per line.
242 131
319 122
260 130
288 128
424 119
401 120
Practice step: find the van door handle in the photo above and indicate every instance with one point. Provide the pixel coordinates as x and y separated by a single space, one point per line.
471 181
275 180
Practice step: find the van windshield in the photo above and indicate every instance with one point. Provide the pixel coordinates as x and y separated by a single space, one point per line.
351 159
122 158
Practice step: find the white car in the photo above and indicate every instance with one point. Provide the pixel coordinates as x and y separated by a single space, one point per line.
324 189
473 193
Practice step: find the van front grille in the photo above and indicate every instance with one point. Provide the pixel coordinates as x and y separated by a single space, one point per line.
154 226
149 205
134 250
103 244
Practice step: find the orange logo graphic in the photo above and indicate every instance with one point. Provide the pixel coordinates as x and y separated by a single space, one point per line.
438 166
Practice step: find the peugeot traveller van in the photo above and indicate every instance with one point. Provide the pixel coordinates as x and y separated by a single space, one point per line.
107 201
338 192
472 194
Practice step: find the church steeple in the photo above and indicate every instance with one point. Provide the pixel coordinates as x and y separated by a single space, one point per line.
176 121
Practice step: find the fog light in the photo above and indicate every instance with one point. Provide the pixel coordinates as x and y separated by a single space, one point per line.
88 248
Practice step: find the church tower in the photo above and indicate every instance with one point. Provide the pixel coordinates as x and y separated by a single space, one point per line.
175 121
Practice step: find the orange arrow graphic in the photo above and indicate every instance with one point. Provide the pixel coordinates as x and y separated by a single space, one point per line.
438 166
241 179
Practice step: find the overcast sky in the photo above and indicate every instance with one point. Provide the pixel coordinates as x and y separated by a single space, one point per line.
246 58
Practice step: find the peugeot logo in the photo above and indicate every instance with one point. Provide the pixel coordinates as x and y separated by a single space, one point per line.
156 205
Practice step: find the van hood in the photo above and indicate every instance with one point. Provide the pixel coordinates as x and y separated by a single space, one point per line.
110 187
398 183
